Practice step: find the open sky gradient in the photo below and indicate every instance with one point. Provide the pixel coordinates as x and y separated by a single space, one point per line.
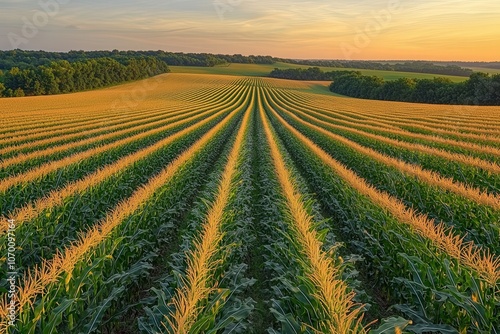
334 29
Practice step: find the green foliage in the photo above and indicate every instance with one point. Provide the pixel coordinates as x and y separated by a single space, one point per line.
226 309
30 59
261 276
476 221
389 325
97 288
479 89
312 73
382 240
414 66
65 77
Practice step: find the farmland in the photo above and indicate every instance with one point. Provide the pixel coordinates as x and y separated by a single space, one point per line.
264 69
201 203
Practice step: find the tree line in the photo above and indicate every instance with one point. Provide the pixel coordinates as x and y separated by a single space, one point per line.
311 73
25 59
29 59
63 76
479 89
483 64
414 66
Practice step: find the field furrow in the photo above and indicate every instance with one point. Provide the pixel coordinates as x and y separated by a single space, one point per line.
480 220
202 203
341 314
430 139
372 133
70 135
202 261
44 169
49 272
486 264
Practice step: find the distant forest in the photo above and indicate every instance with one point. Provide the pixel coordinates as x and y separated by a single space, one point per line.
479 89
29 59
26 73
29 73
311 73
483 64
414 66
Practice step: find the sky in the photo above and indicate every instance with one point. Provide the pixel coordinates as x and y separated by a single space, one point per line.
319 29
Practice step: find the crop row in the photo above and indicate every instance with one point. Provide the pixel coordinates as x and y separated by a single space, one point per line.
397 242
249 205
72 267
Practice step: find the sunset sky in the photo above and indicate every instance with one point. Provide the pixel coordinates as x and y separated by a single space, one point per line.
341 29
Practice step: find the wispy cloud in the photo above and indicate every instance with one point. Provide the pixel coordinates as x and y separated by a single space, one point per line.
427 29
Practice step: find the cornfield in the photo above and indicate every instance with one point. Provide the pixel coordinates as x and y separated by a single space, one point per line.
222 204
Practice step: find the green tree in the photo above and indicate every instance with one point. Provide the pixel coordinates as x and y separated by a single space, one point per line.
63 73
478 87
18 93
398 90
48 81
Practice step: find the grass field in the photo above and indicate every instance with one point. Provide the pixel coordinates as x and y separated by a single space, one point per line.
198 203
264 70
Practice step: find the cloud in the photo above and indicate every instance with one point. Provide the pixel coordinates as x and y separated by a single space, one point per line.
431 29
